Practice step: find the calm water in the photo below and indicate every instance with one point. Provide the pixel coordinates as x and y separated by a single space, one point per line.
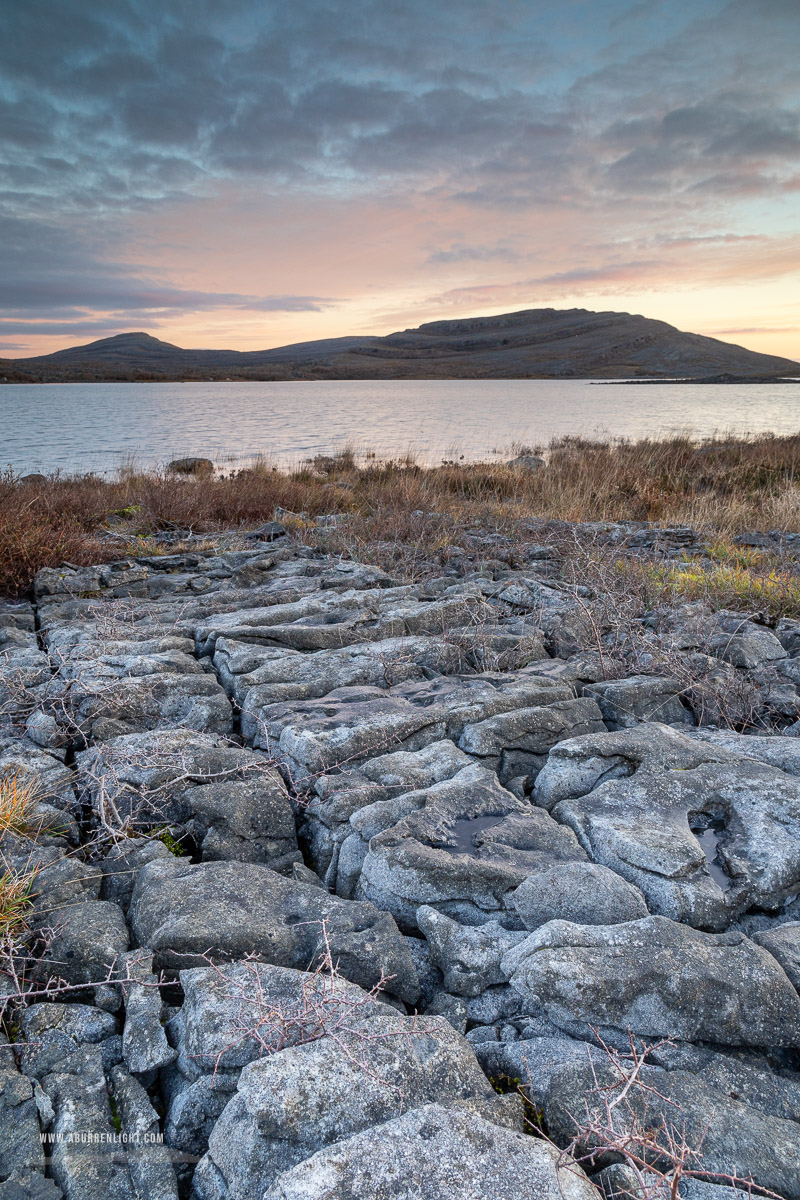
83 427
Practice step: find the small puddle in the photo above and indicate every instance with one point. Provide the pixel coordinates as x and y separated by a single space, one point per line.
463 833
709 839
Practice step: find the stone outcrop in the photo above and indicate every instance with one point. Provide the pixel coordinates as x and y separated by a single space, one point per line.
318 851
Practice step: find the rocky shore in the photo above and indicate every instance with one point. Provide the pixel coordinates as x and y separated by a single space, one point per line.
329 886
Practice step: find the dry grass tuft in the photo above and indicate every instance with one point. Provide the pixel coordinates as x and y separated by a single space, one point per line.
16 898
18 797
398 514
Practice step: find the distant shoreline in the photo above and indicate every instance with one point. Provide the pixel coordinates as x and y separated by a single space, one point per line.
593 379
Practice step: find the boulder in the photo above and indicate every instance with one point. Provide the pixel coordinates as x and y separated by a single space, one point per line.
149 1163
21 1151
83 1160
581 892
233 802
527 462
325 820
234 1013
183 911
89 938
744 644
468 958
703 833
531 730
658 979
731 1137
191 466
144 1042
464 844
97 708
349 725
625 702
272 675
292 1104
783 943
434 1152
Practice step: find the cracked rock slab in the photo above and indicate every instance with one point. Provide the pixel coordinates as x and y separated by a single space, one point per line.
434 1152
658 979
183 911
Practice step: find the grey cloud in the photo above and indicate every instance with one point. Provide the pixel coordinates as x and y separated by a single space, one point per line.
459 253
609 273
121 105
100 328
48 270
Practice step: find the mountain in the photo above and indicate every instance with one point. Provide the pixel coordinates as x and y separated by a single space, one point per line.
536 343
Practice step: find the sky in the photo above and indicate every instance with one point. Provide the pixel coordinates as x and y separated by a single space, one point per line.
261 172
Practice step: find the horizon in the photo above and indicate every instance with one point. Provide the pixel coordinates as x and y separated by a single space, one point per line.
300 342
275 174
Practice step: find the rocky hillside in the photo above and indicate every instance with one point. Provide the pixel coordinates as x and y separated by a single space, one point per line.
538 343
296 859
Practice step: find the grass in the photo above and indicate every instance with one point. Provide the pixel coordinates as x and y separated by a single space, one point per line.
18 796
16 894
410 519
771 591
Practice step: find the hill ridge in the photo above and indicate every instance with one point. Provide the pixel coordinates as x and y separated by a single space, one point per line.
529 343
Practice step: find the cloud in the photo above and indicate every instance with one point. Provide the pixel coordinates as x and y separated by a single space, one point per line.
48 270
459 253
511 121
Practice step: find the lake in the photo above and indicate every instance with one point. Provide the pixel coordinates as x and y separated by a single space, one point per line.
98 427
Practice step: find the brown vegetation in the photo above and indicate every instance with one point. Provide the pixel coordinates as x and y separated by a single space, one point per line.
406 517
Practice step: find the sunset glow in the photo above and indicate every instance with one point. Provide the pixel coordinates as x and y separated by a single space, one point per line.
265 174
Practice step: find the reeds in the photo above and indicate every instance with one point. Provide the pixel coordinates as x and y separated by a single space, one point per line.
399 513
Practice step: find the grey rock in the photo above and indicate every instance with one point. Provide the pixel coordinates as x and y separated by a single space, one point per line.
744 644
149 1165
88 940
734 1138
430 977
581 892
349 725
534 1061
657 978
625 702
19 756
144 1042
466 700
82 1160
122 864
363 1077
468 958
452 1008
622 1180
21 1151
191 466
54 1032
532 730
99 710
215 1029
783 942
434 1152
228 910
246 820
269 675
268 532
466 843
151 777
194 1110
527 462
372 791
702 832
